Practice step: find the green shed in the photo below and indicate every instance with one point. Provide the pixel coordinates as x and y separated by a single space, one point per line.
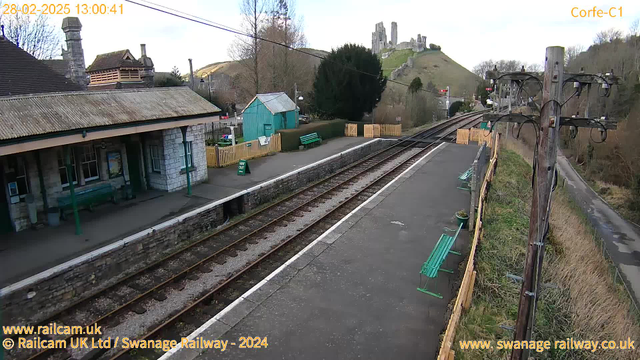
268 113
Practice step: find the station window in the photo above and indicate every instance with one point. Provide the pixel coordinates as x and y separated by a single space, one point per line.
189 154
62 169
89 162
156 157
18 180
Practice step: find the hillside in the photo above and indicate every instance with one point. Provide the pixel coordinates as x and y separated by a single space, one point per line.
437 67
232 68
430 66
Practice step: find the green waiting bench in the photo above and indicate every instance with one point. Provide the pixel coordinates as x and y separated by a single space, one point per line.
87 198
433 265
310 139
465 177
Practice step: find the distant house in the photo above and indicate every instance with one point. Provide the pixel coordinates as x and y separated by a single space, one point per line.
268 113
121 70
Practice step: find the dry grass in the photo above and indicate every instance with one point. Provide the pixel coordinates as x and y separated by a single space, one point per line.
600 307
588 304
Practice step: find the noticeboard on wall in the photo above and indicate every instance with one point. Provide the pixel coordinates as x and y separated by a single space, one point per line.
114 163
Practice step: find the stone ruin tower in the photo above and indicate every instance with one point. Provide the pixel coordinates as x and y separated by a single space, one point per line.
378 38
394 33
74 55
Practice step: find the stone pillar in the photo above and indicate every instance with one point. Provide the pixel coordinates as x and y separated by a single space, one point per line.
74 55
394 33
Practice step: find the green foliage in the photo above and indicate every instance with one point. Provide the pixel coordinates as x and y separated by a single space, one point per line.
395 60
341 87
415 86
502 251
325 129
433 46
482 93
174 79
455 107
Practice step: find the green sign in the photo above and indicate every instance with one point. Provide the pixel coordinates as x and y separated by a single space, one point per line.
243 167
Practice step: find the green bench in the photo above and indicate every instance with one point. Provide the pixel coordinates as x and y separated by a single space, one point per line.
310 139
432 266
465 177
87 198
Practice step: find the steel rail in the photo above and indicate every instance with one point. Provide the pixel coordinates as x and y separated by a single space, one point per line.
425 133
277 247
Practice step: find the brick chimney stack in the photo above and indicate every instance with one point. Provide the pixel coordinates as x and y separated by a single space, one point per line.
74 55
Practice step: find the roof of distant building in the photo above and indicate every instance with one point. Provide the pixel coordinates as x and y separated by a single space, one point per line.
114 60
22 73
32 115
275 102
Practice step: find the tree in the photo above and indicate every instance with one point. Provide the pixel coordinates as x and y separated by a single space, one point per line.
571 53
482 93
609 35
33 34
174 79
283 66
482 68
246 49
433 46
349 83
415 86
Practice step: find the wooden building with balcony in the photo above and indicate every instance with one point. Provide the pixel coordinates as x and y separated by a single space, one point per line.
121 70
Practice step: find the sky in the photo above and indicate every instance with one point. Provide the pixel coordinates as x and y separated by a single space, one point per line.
468 31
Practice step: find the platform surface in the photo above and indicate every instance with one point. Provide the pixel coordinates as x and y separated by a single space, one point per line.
353 294
28 252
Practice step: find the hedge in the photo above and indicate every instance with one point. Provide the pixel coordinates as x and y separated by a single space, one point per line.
325 129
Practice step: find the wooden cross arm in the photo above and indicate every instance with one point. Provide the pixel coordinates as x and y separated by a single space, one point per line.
564 120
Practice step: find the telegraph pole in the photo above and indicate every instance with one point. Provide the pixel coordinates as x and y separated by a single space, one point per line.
544 178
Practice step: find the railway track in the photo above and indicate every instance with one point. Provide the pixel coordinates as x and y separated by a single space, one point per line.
167 292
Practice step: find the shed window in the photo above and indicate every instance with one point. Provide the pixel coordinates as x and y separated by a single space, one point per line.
62 169
156 157
189 154
89 163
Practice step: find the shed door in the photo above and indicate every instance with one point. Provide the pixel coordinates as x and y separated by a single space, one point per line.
268 130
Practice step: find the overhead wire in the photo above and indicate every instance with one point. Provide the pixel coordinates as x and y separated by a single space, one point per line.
189 17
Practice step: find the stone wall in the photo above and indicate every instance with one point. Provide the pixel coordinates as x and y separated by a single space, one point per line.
40 296
174 158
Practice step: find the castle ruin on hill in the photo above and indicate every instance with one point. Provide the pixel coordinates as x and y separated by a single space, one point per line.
379 40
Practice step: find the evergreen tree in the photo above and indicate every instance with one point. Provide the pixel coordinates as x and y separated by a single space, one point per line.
343 85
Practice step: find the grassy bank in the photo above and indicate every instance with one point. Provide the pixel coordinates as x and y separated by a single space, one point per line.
580 300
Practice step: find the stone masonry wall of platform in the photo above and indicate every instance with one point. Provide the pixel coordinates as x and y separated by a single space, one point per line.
36 298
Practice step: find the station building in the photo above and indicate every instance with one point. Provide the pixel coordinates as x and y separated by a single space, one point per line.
55 139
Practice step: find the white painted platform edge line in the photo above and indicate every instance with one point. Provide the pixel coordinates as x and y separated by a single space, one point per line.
132 238
257 286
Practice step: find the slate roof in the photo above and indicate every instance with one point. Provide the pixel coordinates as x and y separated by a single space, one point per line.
275 102
113 60
58 65
21 73
31 115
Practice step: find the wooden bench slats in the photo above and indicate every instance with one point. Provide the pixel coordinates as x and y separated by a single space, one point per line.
433 265
310 138
87 197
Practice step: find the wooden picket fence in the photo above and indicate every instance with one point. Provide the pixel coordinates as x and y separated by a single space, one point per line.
351 130
372 130
390 130
463 300
224 156
462 136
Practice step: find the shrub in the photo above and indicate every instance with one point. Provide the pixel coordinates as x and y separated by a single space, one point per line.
325 129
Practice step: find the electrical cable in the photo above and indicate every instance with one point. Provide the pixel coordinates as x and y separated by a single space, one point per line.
202 21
